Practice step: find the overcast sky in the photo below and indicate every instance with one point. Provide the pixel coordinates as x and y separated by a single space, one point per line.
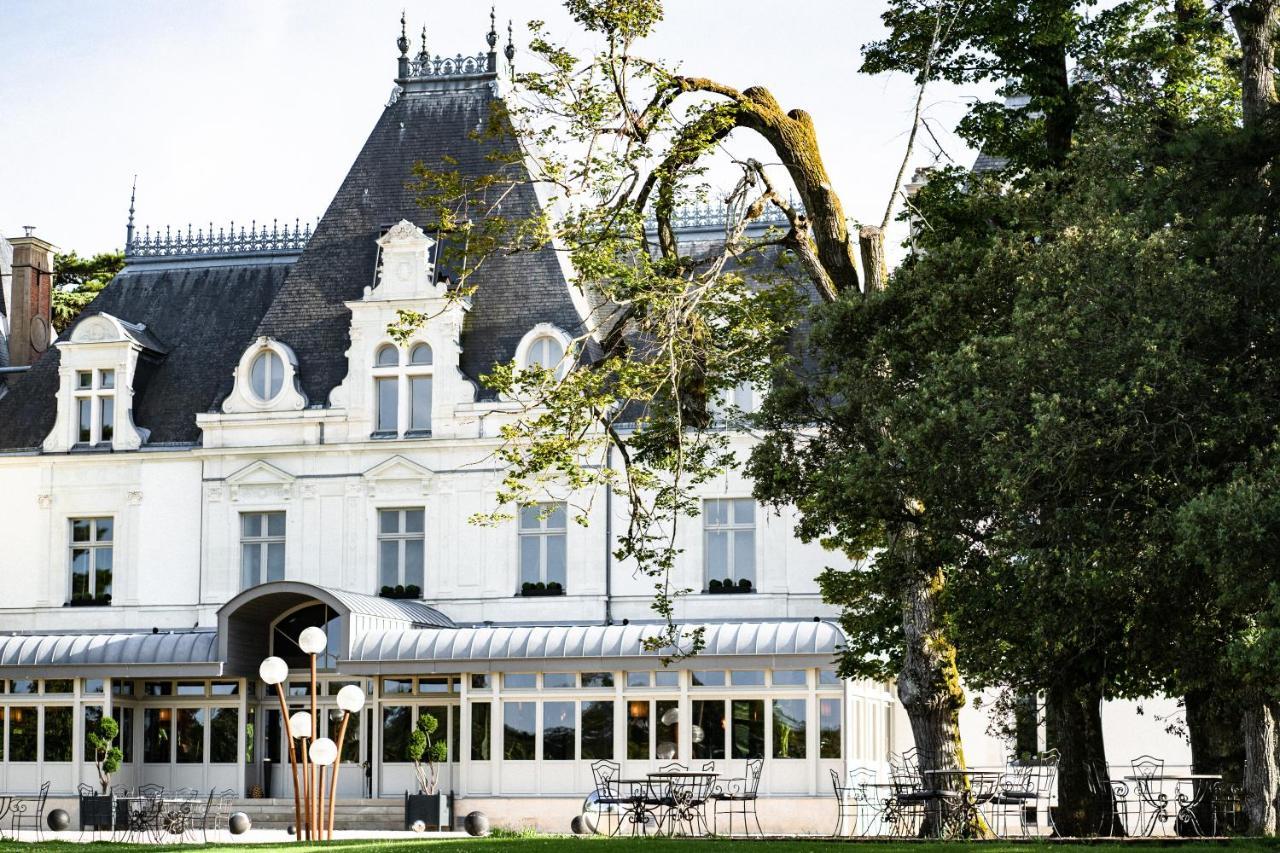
243 109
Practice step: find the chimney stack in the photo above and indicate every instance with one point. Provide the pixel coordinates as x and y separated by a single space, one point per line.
31 314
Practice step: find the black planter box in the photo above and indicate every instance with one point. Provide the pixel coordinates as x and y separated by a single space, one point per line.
431 809
534 593
97 813
729 590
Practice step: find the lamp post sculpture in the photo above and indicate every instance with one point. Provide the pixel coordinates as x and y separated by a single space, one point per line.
301 725
274 671
317 752
350 700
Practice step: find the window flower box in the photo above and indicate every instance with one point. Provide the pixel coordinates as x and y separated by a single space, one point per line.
82 600
532 590
729 587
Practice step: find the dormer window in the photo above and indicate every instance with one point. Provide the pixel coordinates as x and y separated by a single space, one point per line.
396 378
95 406
547 347
266 380
266 375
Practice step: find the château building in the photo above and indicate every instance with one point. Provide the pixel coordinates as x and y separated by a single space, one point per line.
228 447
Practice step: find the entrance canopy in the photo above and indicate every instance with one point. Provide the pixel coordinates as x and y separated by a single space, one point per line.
244 622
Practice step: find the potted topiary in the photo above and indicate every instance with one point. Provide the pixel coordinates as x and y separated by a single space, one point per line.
428 806
100 738
744 585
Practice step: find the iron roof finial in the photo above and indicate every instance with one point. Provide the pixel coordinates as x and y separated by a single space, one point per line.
423 55
403 41
510 50
492 36
128 231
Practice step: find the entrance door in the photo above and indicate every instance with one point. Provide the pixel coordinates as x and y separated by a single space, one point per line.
353 779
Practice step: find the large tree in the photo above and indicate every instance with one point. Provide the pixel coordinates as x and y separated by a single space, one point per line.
1078 350
77 281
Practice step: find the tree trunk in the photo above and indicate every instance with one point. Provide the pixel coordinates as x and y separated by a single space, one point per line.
874 268
1255 23
1258 726
1213 729
1075 716
929 684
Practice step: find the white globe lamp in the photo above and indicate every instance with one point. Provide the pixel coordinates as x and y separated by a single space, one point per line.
351 698
323 751
273 670
300 724
313 641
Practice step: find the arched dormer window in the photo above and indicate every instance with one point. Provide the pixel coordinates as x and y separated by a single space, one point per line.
547 347
396 379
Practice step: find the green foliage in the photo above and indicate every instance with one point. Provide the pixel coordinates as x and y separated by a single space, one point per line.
422 748
106 755
77 281
629 407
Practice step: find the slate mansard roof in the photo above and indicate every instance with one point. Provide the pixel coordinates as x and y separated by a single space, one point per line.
207 312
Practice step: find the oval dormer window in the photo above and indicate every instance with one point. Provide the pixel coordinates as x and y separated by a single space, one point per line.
266 375
545 352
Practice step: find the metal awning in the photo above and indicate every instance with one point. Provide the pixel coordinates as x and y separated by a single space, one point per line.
179 654
512 649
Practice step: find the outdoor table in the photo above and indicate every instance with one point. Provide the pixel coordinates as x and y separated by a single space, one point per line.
643 804
1187 803
981 787
169 817
684 805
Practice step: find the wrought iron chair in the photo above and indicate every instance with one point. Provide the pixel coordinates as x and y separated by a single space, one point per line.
846 805
1153 803
606 804
1227 808
870 805
685 803
1118 794
217 810
1015 789
739 798
29 811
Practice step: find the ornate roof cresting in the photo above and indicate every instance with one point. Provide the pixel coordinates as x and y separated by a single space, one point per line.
227 242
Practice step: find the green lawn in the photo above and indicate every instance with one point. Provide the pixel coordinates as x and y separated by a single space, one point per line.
664 845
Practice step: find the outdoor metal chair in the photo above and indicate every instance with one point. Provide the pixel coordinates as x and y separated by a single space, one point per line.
685 803
1153 803
870 805
1227 808
29 812
606 804
846 805
1116 792
217 811
1015 789
738 796
673 767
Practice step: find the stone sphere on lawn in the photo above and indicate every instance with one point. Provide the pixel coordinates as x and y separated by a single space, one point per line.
419 826
576 826
59 820
476 824
292 830
239 823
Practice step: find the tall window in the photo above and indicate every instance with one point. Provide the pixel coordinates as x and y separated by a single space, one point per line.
400 545
261 548
91 560
419 380
95 397
734 402
396 379
542 554
729 541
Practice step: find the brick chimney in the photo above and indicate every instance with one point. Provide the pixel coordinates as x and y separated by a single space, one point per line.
30 315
